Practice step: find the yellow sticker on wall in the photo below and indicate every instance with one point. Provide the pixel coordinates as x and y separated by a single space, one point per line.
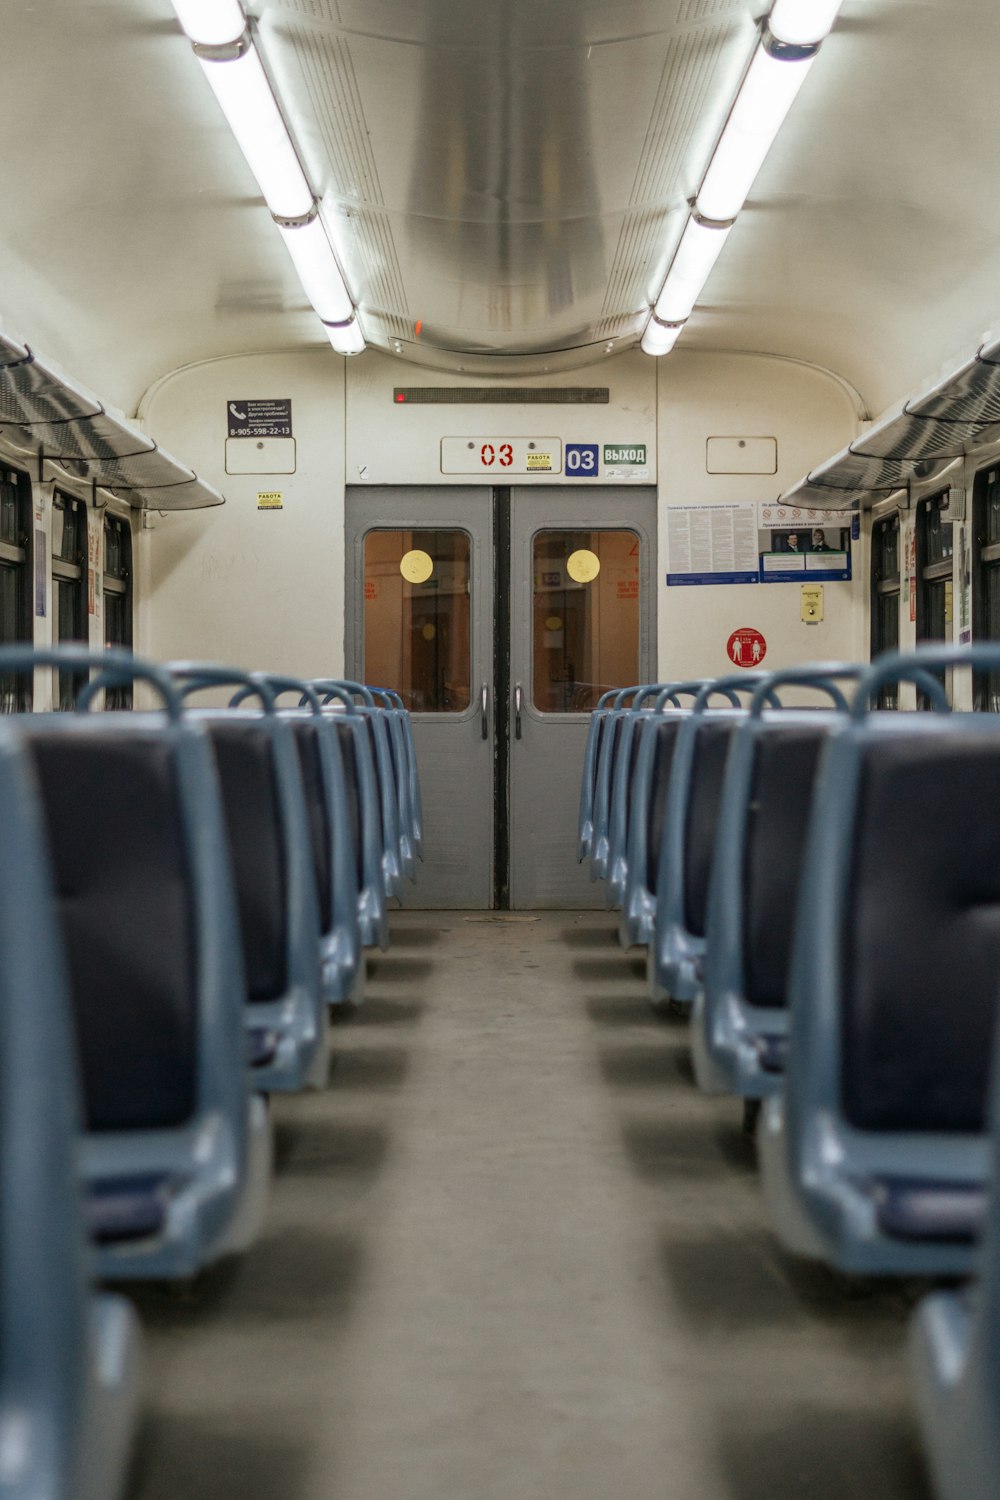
428 631
583 566
270 499
416 566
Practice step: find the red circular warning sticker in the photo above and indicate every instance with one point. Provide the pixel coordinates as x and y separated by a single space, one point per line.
746 647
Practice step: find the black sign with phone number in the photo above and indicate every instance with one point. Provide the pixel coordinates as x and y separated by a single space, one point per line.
257 419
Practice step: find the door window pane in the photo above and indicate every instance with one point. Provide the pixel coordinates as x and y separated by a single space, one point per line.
585 627
418 617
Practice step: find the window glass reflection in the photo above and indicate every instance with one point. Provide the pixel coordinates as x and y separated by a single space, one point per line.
585 626
418 617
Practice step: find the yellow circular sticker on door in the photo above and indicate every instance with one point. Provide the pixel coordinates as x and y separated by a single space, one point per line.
583 566
416 566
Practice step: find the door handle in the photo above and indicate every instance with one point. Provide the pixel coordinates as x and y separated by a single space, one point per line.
517 710
485 705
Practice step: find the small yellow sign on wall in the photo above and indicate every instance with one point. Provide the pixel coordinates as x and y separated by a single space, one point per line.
270 499
812 603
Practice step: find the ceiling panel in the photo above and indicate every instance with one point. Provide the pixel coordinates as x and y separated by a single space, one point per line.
510 174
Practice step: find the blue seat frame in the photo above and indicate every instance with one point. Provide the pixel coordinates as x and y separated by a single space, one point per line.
873 1200
955 1361
738 1046
296 1019
68 1356
633 794
676 953
634 721
340 934
607 755
165 1202
588 785
339 706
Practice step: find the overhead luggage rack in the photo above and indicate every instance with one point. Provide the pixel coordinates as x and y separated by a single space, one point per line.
929 431
48 415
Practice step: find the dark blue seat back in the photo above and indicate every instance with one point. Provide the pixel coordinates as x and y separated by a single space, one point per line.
778 814
663 755
307 743
123 891
708 770
243 751
921 937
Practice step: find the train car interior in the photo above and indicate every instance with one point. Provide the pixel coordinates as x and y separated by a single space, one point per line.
500 749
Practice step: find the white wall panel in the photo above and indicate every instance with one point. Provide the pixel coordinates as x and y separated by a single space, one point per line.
259 588
808 412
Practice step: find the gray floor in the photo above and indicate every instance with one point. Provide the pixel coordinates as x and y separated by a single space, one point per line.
513 1254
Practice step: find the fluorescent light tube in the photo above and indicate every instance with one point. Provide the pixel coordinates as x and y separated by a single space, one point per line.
801 22
318 270
660 338
765 97
241 87
213 23
699 249
347 338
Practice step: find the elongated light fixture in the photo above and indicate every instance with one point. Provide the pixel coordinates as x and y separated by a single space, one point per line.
347 338
699 248
307 243
783 56
213 23
766 94
801 22
660 338
231 63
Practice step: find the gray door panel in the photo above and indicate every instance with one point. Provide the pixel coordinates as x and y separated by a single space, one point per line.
454 760
545 763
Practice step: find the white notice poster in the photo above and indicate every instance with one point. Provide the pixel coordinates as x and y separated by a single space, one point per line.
712 544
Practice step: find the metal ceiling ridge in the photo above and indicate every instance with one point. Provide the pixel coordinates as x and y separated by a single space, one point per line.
37 394
924 434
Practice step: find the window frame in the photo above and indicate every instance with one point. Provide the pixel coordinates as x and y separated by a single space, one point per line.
69 571
18 556
884 586
930 572
985 561
118 584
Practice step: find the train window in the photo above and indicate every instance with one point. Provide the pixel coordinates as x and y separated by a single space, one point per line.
986 579
934 573
69 586
15 581
118 599
585 617
885 583
418 617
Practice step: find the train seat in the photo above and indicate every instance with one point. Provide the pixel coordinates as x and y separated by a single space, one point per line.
955 1360
407 782
334 859
645 826
381 755
331 838
177 1149
364 809
635 721
606 759
875 1156
68 1356
684 856
740 1019
267 831
588 785
640 793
